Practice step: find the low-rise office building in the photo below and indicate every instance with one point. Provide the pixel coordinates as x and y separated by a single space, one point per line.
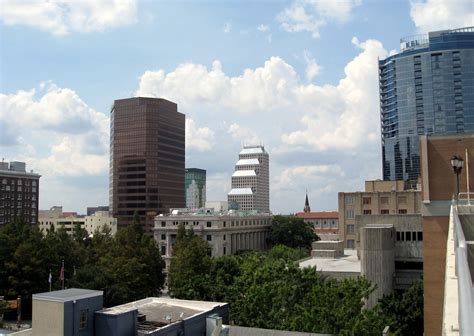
325 223
226 232
76 311
379 198
55 217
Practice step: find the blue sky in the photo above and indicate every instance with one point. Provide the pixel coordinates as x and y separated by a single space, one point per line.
298 76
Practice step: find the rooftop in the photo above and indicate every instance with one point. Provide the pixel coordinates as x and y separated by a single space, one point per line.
244 173
253 150
347 263
158 309
67 295
241 191
247 162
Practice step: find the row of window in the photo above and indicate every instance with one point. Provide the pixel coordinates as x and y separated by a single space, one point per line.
368 200
232 223
19 182
350 213
18 188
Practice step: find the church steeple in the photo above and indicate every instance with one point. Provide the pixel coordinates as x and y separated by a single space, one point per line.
306 204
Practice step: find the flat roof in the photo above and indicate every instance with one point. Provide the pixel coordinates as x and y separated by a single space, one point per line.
66 295
157 309
346 263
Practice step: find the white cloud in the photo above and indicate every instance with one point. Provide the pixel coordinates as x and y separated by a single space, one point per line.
324 138
432 15
255 90
263 28
311 131
61 17
245 135
59 132
227 27
342 116
311 15
312 68
304 175
197 138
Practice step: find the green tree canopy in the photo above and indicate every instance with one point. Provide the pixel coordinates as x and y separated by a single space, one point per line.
189 267
292 232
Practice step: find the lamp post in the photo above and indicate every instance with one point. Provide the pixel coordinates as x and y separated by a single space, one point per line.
457 163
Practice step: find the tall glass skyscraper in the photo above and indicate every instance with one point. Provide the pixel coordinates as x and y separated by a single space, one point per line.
147 155
427 88
195 186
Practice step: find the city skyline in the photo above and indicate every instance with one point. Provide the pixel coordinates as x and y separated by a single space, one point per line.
299 78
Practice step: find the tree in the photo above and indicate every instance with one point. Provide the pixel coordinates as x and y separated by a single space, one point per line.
292 232
190 265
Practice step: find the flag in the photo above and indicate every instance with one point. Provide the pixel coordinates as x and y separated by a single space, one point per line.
50 278
61 275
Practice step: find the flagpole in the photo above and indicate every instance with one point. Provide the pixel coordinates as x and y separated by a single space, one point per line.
62 272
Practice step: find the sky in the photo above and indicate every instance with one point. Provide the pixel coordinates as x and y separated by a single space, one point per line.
299 77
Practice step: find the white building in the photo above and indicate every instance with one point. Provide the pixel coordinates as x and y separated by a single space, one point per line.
250 181
57 218
226 232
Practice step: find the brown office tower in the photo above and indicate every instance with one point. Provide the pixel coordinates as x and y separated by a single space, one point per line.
146 159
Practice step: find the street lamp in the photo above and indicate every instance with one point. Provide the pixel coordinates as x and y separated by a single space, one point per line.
457 163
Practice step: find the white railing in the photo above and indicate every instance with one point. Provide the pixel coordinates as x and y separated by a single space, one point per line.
464 276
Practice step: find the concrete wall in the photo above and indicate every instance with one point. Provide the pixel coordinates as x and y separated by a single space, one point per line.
48 318
404 250
378 258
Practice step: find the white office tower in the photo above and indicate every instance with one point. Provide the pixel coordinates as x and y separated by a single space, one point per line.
250 181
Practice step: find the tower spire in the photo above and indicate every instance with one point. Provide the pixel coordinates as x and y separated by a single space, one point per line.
306 204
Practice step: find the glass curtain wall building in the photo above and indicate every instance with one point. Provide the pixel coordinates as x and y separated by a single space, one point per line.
195 185
427 88
147 159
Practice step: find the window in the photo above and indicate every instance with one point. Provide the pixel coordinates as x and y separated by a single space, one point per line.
163 237
208 224
402 200
83 319
399 236
366 200
209 237
163 224
402 211
163 249
384 212
383 200
350 243
349 214
224 251
420 236
350 228
224 237
349 199
367 212
224 223
408 236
